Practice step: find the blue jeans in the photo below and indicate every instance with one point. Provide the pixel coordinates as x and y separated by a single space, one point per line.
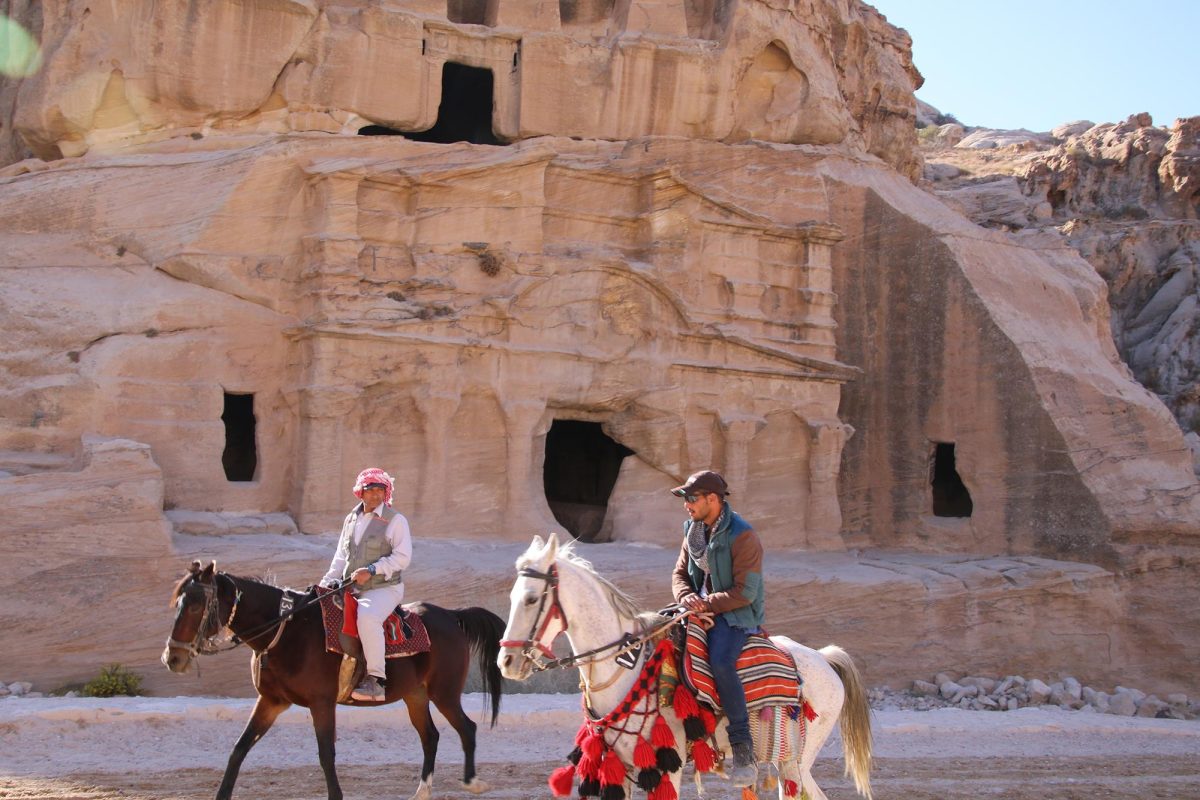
724 646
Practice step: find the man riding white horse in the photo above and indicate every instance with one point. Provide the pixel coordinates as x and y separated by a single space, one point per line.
719 571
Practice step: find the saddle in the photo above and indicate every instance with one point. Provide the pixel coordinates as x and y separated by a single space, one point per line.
774 690
404 634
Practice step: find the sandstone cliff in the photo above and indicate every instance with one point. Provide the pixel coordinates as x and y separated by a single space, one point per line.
580 250
1126 196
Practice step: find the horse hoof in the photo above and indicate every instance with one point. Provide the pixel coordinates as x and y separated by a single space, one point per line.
476 786
424 791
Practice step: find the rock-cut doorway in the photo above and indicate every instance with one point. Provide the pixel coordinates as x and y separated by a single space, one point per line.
581 468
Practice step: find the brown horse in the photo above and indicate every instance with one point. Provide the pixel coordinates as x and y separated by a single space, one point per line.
292 666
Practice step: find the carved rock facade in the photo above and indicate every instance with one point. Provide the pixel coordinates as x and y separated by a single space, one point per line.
674 235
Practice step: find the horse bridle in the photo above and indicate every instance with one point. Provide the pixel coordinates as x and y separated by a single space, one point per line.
202 643
532 647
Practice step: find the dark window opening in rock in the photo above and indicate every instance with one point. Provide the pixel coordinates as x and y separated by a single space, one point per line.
379 130
467 12
240 458
584 12
950 495
579 475
465 114
1057 198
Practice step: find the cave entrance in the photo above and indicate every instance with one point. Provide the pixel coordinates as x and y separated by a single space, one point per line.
465 114
580 472
950 495
240 458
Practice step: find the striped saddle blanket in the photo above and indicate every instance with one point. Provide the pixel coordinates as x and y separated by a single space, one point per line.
404 633
768 673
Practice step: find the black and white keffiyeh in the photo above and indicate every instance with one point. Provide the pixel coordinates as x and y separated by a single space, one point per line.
697 540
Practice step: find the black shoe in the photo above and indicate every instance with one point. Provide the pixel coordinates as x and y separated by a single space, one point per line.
369 690
744 771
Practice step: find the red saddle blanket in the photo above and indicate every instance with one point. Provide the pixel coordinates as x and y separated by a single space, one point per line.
404 634
768 673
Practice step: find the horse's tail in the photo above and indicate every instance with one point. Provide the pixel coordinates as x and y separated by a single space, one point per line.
855 719
484 631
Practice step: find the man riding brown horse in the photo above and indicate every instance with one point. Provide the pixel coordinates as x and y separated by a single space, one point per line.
374 549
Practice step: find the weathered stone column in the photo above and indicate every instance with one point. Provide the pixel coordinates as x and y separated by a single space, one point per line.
437 409
824 518
320 493
527 512
738 431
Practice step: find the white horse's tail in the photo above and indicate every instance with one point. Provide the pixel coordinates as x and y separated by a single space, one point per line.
855 719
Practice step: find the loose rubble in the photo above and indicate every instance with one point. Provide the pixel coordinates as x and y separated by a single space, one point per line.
976 693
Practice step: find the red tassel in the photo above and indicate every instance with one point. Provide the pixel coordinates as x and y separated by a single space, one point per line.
790 788
584 730
664 791
685 704
709 719
660 734
593 746
643 753
612 771
561 781
589 768
809 712
703 756
748 793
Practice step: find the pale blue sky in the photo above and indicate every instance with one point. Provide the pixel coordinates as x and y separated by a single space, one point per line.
1038 63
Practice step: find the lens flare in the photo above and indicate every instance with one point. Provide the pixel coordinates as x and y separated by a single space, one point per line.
20 56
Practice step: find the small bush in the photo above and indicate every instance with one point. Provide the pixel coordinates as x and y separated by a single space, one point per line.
113 680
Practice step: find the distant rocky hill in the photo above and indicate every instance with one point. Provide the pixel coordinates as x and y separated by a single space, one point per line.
1127 197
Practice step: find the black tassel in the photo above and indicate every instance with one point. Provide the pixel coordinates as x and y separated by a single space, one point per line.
589 787
575 755
616 792
693 728
667 759
648 779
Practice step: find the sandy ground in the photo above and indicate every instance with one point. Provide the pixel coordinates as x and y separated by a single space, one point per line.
161 748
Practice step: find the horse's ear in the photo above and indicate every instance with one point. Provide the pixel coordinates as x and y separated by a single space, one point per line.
537 544
552 545
194 567
208 571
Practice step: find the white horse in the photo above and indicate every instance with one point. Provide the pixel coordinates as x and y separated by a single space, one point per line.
558 592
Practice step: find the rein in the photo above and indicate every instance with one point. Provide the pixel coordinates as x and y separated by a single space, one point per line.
204 645
532 647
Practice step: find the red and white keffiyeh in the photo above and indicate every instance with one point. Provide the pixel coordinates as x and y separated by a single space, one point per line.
374 475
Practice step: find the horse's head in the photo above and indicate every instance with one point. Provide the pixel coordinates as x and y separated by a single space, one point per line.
197 616
535 617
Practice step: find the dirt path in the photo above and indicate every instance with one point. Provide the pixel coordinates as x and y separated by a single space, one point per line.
1059 778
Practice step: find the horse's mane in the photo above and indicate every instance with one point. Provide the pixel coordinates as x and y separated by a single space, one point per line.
266 580
625 605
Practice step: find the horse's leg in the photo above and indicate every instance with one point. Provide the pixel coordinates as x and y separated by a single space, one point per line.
452 710
324 718
264 715
422 720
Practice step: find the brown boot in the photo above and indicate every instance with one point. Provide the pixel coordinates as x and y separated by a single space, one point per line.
744 771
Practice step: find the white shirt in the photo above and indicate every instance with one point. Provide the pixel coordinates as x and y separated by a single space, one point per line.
398 534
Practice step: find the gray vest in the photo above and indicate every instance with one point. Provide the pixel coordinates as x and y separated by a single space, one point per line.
373 546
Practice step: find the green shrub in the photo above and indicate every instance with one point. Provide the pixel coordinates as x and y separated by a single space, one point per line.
113 680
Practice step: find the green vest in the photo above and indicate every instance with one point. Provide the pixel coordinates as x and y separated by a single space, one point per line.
373 546
720 565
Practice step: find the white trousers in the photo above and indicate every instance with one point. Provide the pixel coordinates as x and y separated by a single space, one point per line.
373 608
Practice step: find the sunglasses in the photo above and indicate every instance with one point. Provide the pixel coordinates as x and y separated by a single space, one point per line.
375 486
691 498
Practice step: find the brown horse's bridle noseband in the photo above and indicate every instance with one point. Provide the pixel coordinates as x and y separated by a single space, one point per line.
532 647
202 643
